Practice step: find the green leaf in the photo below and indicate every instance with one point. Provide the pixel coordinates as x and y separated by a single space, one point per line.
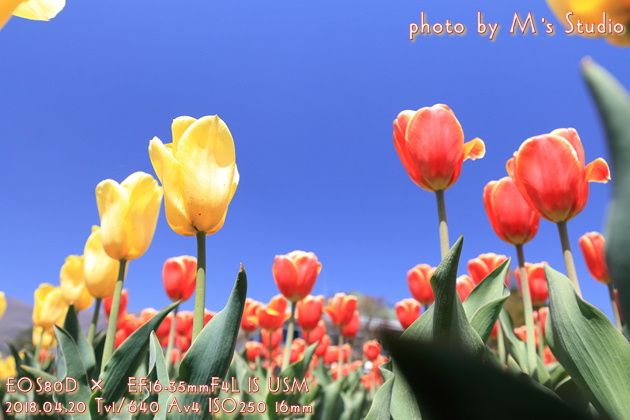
381 404
613 104
70 367
403 404
125 360
71 325
485 302
453 384
515 346
211 353
589 347
331 405
157 364
450 324
422 328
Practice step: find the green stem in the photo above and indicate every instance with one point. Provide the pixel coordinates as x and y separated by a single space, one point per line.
113 316
270 357
613 302
289 339
38 349
501 346
541 338
528 312
171 339
568 256
92 330
441 205
340 367
200 292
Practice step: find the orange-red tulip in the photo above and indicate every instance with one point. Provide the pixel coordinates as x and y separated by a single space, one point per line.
541 316
207 316
124 299
321 348
464 286
419 280
537 282
512 219
341 309
371 349
480 267
249 322
593 247
430 144
253 349
521 332
179 275
295 274
184 323
275 337
407 311
309 311
351 329
549 170
316 333
331 355
274 314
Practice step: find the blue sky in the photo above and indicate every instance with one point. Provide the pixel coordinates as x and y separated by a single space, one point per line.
309 91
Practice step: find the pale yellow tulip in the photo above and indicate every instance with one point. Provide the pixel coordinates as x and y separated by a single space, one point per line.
7 368
45 336
30 9
129 213
72 282
198 172
49 306
99 269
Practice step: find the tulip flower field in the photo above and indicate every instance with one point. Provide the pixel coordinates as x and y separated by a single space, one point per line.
455 350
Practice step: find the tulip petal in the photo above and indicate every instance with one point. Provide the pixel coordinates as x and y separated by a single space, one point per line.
598 171
100 270
168 171
39 9
179 126
570 135
474 149
7 7
400 143
111 200
144 198
208 177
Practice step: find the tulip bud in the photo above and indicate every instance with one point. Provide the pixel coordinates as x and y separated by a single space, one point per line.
419 280
129 213
309 311
351 329
407 311
322 347
99 269
179 275
480 267
316 333
593 247
341 309
295 274
464 286
49 306
273 315
537 282
253 349
72 283
249 321
198 172
371 349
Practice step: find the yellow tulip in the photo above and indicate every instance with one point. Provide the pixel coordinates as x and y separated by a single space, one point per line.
72 282
99 269
129 213
30 9
46 336
590 14
49 306
3 304
7 368
198 172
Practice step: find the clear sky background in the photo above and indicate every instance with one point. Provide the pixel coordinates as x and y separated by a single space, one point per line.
309 90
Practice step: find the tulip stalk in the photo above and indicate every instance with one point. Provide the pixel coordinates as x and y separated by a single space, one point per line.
443 225
289 339
92 330
500 346
113 316
528 311
171 339
340 367
541 343
615 308
200 291
568 257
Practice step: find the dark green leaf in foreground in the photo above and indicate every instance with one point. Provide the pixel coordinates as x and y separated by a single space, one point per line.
589 347
211 353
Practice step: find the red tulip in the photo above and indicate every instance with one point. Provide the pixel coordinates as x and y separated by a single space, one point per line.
249 321
346 351
371 349
253 349
331 355
512 219
480 267
274 314
593 247
122 309
321 348
316 333
275 336
207 316
351 329
341 309
407 311
165 327
521 332
419 280
295 274
541 316
549 170
616 294
537 282
309 311
430 144
179 275
464 286
297 350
